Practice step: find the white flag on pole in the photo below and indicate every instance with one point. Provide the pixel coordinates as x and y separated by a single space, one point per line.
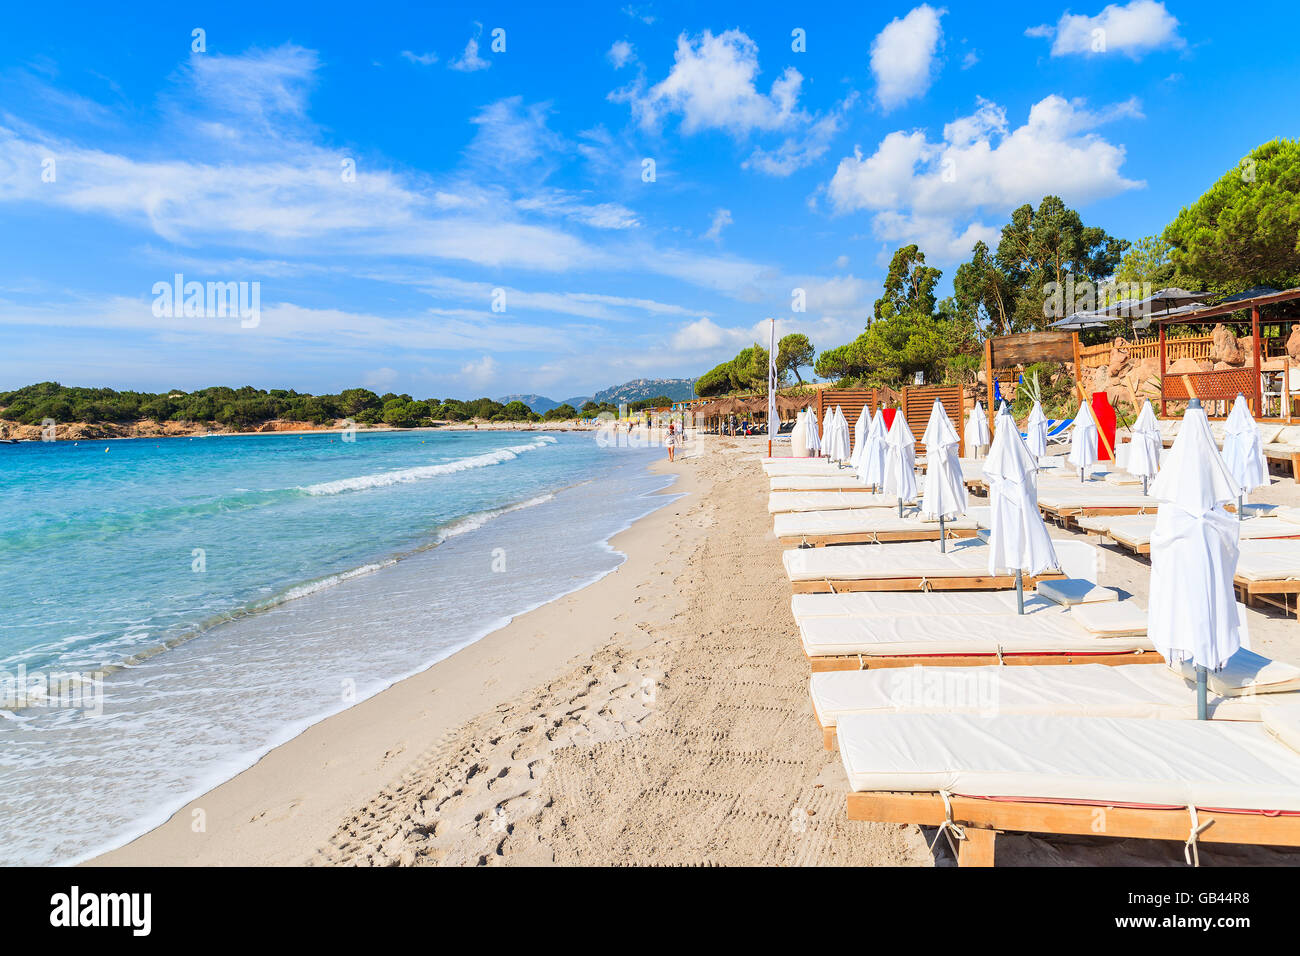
772 424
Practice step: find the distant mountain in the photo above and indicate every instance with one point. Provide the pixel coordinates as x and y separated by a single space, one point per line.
678 389
538 403
675 388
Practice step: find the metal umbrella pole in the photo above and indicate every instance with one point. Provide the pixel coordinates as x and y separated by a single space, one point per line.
1020 591
943 540
1202 708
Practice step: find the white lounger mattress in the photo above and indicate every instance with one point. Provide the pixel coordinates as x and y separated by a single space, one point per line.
779 502
860 521
867 562
846 479
937 604
1061 498
801 466
1166 763
1153 692
1057 631
1135 530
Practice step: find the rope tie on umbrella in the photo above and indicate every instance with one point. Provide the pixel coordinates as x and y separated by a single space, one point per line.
875 538
862 665
1190 852
925 584
950 828
1001 662
827 581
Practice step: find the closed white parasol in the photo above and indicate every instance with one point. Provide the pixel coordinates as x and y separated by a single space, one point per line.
1192 612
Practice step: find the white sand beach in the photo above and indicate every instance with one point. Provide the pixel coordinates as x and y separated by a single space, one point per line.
659 716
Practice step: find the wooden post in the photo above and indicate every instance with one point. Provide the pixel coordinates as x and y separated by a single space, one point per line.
1163 405
988 379
1078 360
977 848
1259 362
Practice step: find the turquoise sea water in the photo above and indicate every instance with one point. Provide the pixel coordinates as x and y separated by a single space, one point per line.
252 585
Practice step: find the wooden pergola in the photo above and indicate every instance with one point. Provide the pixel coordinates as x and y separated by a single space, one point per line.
1225 384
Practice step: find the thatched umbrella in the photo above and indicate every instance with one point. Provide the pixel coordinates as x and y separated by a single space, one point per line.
729 406
793 403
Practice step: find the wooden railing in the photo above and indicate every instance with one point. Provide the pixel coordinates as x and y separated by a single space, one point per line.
1191 346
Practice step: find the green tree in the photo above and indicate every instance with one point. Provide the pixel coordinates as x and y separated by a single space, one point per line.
561 413
1049 245
909 286
982 292
716 381
1245 230
794 350
1147 260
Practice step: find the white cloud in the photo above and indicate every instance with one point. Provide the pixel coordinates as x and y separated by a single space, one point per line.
379 377
941 239
621 54
640 12
260 84
721 220
605 215
513 137
422 59
796 152
713 85
841 262
481 371
1132 29
838 295
470 61
917 186
703 334
903 56
970 59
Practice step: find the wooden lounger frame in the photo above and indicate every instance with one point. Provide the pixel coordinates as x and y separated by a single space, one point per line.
973 582
1139 548
1279 594
813 491
983 819
875 537
867 662
1067 516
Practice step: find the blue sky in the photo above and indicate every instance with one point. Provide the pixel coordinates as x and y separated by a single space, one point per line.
515 177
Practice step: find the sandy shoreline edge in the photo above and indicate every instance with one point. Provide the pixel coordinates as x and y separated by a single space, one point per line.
285 807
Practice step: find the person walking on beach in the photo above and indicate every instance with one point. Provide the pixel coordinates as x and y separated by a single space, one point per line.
672 440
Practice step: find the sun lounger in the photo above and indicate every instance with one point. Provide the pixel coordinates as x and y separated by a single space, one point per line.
919 566
781 502
802 466
1133 532
805 607
1112 633
1066 503
1087 690
1208 781
1268 571
866 526
846 481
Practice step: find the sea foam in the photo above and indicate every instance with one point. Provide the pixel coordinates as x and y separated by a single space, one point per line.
423 472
